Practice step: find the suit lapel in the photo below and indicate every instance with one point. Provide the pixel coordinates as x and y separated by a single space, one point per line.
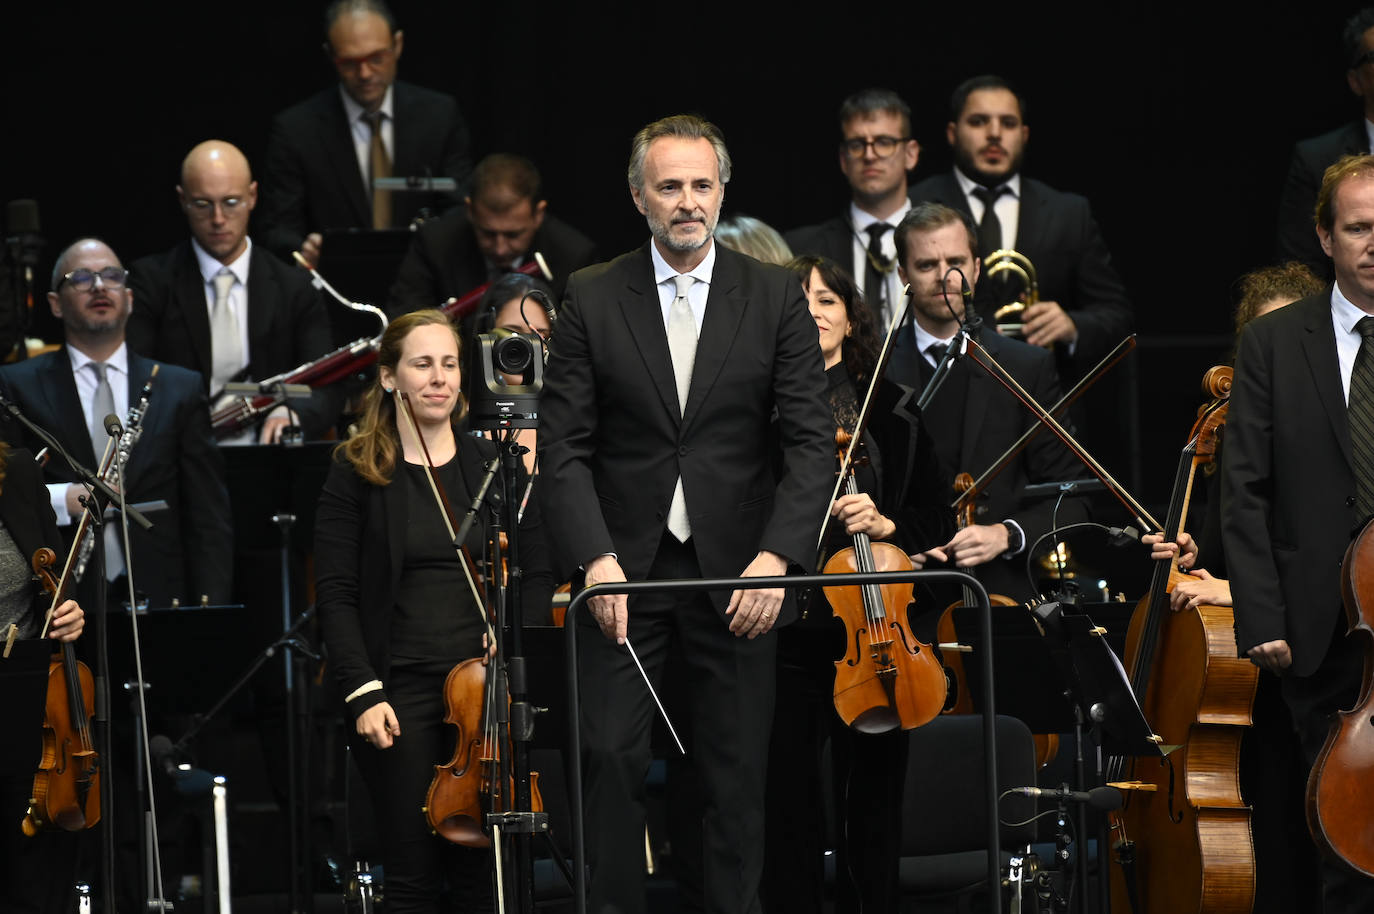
190 288
980 391
644 316
336 142
140 370
261 293
64 408
1031 219
724 310
1319 346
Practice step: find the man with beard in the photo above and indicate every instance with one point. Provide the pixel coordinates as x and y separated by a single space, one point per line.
186 555
972 418
665 374
876 154
1083 310
505 220
218 304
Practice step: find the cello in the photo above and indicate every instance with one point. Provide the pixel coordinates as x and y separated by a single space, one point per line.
1183 843
1338 813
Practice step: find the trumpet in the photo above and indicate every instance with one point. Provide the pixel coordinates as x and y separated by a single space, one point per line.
1016 264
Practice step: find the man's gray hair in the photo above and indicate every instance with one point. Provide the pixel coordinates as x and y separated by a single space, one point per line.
684 127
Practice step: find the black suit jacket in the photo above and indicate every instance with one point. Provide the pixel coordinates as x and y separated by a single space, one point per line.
613 441
360 535
444 260
1288 485
188 551
1297 233
992 421
287 322
312 182
1056 230
832 239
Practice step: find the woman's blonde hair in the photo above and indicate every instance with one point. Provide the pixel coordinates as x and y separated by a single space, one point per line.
372 449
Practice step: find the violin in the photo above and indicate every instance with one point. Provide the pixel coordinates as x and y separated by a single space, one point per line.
66 788
1338 787
477 779
888 678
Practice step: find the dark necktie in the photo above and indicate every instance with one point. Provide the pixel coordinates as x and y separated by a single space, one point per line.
876 267
379 167
990 229
936 351
1360 412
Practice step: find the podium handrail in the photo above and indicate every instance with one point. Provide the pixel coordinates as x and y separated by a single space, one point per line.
791 582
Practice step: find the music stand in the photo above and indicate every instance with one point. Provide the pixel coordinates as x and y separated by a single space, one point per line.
24 683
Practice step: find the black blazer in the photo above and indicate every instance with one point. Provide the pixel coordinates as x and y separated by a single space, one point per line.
1297 233
992 421
359 542
914 488
1056 230
188 552
444 260
832 239
287 322
26 511
614 442
1287 482
312 182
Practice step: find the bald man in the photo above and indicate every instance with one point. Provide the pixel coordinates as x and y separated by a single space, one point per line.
321 154
186 554
220 306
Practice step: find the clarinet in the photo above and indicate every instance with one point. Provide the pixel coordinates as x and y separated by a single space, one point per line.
133 430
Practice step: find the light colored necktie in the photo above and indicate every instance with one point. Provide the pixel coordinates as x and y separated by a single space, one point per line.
381 168
101 406
682 344
225 345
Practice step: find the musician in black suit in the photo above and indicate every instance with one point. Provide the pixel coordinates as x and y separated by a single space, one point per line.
272 319
972 418
323 153
37 874
187 553
876 154
636 486
1083 310
1292 489
1296 238
504 222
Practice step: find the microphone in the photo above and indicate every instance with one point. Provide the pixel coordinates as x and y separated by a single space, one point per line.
113 428
1104 798
547 303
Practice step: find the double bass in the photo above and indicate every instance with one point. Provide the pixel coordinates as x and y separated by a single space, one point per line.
1183 843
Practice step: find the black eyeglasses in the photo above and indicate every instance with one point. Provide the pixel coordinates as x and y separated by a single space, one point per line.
883 146
84 280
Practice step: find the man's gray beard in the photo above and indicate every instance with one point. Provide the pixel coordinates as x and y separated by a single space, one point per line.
663 235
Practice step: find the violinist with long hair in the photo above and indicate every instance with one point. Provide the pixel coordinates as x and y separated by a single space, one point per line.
36 874
397 611
902 499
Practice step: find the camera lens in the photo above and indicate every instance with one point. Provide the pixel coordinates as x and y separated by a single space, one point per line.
512 355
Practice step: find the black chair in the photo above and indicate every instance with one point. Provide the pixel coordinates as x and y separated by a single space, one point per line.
944 826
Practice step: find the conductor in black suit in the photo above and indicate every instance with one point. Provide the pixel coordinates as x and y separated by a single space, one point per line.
972 418
1083 310
504 221
1298 479
323 153
221 306
187 554
665 369
1311 157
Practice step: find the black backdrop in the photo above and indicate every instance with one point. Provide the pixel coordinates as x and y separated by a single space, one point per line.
1177 120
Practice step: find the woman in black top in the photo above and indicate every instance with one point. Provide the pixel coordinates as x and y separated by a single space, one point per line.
903 499
396 608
